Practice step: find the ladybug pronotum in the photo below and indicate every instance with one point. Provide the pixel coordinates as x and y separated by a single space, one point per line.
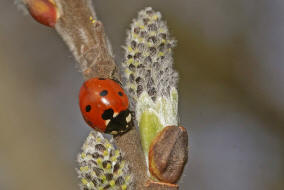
104 106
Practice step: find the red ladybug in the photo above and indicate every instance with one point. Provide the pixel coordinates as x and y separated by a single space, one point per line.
104 106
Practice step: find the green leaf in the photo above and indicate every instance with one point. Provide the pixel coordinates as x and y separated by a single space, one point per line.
149 126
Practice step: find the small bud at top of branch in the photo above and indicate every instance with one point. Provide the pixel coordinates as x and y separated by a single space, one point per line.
43 11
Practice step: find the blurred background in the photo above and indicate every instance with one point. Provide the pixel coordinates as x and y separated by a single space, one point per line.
230 57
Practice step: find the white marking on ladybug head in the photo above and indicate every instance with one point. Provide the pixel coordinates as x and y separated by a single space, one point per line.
127 126
128 118
107 122
115 114
114 132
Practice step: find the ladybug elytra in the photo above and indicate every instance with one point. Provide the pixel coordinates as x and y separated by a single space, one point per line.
104 106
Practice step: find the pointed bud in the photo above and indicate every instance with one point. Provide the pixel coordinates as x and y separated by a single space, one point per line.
43 11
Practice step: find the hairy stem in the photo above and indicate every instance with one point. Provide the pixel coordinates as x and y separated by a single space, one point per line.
86 38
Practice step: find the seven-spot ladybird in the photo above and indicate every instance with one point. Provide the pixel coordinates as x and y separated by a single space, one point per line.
104 106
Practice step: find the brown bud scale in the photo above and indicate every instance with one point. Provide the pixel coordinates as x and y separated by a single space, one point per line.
168 154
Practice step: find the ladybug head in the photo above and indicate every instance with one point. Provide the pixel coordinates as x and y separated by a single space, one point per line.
118 124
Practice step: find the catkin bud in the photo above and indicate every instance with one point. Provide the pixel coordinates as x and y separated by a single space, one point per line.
148 57
101 166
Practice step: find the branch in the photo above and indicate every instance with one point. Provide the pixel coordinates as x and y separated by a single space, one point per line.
87 41
86 38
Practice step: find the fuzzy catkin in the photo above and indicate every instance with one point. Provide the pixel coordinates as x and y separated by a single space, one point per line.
101 166
148 57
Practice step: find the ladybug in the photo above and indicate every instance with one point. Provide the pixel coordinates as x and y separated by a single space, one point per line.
104 106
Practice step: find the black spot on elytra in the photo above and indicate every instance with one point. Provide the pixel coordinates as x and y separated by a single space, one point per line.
107 114
103 93
102 79
120 93
88 108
